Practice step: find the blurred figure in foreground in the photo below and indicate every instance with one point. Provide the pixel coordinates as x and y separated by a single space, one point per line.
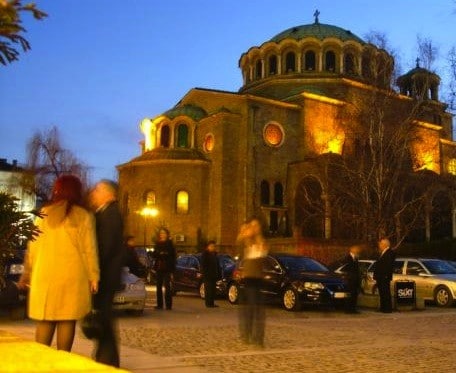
252 313
383 274
61 265
211 273
353 278
109 229
165 265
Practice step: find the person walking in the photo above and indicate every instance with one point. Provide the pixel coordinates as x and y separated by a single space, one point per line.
252 313
383 274
109 228
211 273
165 265
61 265
353 278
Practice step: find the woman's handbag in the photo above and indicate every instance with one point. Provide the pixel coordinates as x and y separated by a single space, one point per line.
91 325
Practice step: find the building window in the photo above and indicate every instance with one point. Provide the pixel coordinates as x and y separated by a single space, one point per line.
182 202
182 136
278 194
349 64
452 166
165 136
290 62
272 65
149 198
264 193
209 143
309 61
259 69
330 61
273 134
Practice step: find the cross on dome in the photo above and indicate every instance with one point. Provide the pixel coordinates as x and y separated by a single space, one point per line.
316 14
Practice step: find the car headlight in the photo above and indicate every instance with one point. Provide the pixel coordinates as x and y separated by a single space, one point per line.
137 286
308 285
16 269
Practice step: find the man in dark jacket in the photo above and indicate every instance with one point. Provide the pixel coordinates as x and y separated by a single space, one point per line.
165 264
383 274
353 278
109 230
211 273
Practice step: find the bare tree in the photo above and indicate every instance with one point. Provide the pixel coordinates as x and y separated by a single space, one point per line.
11 29
427 52
47 159
452 78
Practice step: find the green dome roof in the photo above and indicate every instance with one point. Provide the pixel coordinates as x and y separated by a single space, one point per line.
317 30
195 112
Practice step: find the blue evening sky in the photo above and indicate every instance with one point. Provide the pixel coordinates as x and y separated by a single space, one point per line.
97 67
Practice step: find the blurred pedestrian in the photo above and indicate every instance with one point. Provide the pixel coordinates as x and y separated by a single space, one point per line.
383 274
353 278
211 273
132 260
61 265
165 265
252 313
109 227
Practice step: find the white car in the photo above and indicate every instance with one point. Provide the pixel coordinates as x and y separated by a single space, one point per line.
435 279
132 296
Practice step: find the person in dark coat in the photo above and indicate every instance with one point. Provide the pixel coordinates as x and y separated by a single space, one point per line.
211 273
165 265
109 229
353 278
383 274
132 260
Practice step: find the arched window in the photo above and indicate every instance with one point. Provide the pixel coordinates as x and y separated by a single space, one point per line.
273 65
290 62
452 166
278 194
309 61
149 198
365 67
182 136
264 193
165 136
330 61
182 199
349 64
259 69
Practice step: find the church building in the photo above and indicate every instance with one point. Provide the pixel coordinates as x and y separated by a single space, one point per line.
218 158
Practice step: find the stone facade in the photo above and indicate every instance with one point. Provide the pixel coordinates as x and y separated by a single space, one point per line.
245 153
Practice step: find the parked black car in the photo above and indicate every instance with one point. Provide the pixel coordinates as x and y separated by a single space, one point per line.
295 280
11 297
188 276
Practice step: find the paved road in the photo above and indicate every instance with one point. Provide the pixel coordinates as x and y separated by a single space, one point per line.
192 338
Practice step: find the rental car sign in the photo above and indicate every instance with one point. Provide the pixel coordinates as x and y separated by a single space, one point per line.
405 293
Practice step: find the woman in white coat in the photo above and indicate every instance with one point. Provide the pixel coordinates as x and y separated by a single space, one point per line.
61 265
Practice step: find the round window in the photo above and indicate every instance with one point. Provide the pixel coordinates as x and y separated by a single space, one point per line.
273 134
209 142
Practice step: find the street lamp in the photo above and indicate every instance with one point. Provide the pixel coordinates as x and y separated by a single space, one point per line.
147 212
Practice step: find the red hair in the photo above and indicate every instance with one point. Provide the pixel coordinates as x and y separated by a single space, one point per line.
67 188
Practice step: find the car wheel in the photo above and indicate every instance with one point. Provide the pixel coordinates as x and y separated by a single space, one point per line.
202 291
290 300
233 293
443 297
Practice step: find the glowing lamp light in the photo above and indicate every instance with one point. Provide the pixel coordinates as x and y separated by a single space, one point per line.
149 129
147 212
334 146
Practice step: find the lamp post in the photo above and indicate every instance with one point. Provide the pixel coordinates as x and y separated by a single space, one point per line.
147 212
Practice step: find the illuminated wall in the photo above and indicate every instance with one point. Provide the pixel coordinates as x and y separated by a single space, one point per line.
425 148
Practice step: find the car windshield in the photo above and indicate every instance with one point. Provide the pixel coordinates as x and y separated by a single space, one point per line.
439 267
301 264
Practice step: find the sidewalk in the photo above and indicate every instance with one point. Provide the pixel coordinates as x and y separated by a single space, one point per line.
131 359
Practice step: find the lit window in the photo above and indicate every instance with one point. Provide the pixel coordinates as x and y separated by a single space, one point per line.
273 134
149 198
209 143
182 136
452 166
182 202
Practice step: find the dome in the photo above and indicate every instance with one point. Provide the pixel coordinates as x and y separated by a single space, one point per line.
318 30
